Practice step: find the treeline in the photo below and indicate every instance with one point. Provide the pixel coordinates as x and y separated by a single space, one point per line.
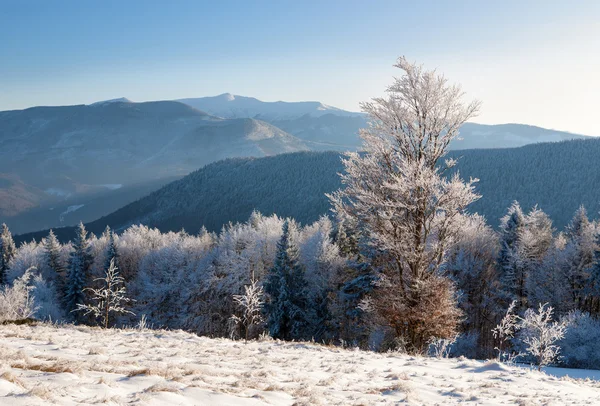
310 282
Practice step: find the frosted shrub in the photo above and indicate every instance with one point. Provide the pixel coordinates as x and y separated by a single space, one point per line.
251 303
505 332
465 345
16 301
440 347
541 334
581 343
108 299
46 302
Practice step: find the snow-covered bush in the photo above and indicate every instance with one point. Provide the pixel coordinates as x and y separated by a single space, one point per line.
441 347
541 334
581 343
46 300
465 345
110 298
251 304
505 332
17 301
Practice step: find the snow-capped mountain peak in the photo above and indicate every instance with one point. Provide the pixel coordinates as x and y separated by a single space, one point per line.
118 100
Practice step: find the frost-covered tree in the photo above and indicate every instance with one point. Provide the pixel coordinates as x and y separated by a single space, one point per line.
52 251
7 251
510 267
77 273
592 304
403 204
109 299
286 287
251 303
17 301
112 256
505 331
579 252
541 334
472 264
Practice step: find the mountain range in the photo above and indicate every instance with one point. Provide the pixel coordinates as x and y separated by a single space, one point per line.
60 165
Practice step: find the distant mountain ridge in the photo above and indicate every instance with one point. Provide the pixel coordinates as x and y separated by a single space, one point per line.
228 105
52 154
324 127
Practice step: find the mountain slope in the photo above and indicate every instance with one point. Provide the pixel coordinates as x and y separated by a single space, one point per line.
556 176
58 153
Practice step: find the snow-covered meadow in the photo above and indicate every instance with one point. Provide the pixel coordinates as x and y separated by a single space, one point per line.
42 364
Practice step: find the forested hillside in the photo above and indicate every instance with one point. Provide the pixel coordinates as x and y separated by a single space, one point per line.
558 177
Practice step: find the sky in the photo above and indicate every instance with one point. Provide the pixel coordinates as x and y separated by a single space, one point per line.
532 62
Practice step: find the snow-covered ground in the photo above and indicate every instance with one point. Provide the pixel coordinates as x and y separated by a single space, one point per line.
80 365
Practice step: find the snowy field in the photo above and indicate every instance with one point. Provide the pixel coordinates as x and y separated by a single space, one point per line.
70 365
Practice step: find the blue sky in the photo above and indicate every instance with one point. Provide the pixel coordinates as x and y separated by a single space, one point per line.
531 62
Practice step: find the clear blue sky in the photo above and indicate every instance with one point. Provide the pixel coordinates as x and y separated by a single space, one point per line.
534 62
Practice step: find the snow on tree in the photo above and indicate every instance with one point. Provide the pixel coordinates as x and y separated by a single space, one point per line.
542 334
593 287
580 247
251 303
472 265
112 255
52 251
509 264
109 299
7 252
505 331
404 205
16 301
77 273
286 287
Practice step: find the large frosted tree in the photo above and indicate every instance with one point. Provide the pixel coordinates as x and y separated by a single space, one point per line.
406 207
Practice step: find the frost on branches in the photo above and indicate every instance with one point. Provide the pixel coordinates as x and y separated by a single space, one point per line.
542 334
505 331
16 301
408 210
109 298
251 303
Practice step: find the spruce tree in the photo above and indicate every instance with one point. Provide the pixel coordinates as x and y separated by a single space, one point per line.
53 260
580 247
288 317
7 251
79 264
112 255
511 229
593 302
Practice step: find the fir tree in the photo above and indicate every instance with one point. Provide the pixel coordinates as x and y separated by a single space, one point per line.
53 260
286 286
347 239
593 291
7 251
112 255
511 229
79 264
580 248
